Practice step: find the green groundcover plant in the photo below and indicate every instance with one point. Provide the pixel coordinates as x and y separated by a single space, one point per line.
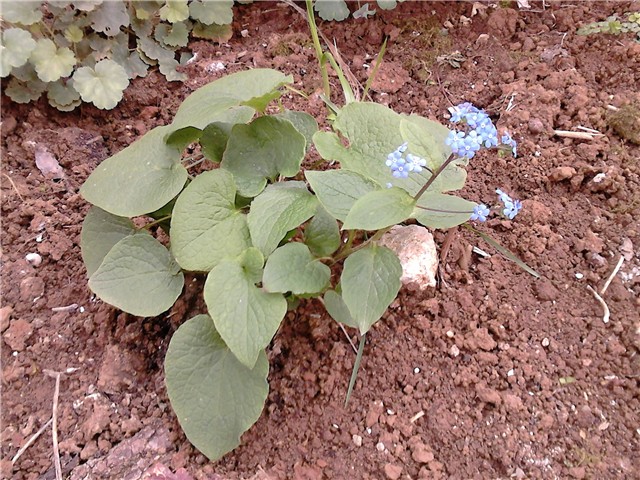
265 233
88 50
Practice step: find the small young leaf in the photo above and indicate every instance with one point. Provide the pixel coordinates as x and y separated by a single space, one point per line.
322 234
379 209
178 36
24 13
252 262
332 9
338 190
174 11
387 4
102 85
206 227
210 390
146 175
62 94
292 268
338 310
246 317
280 208
17 45
439 210
370 282
73 33
138 276
52 62
168 67
262 150
100 232
207 12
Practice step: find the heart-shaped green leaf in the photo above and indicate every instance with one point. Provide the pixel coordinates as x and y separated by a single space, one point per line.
246 317
215 397
262 150
100 232
138 276
380 209
139 179
322 234
370 282
292 268
206 227
280 208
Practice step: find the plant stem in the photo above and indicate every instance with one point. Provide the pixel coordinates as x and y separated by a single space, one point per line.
433 177
318 47
156 222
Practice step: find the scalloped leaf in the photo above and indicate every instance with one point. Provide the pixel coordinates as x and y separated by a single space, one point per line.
24 92
109 17
25 13
177 35
174 11
332 9
103 85
73 33
62 94
207 12
16 48
215 33
51 62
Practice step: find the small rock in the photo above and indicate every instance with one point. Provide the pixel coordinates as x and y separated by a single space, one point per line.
546 422
417 252
5 317
392 471
536 126
374 413
421 453
578 472
33 259
561 173
9 124
357 440
31 288
512 402
17 334
545 291
488 395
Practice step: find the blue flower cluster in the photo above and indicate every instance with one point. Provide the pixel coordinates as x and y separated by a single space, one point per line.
402 165
481 131
511 207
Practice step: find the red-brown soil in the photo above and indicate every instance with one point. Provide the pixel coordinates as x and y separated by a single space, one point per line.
494 374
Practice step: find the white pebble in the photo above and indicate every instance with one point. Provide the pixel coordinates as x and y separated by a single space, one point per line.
33 259
545 342
511 373
380 447
579 276
416 370
455 351
357 440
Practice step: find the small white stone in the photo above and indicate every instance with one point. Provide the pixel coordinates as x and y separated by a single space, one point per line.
545 342
244 33
33 259
380 447
454 351
416 370
450 334
511 373
579 276
357 440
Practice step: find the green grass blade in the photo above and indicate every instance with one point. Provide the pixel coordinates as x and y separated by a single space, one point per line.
356 366
505 252
375 68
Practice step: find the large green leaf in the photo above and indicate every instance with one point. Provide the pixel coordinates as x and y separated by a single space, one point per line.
100 232
139 276
246 317
439 210
304 123
373 131
215 397
261 151
139 179
280 208
380 209
206 226
322 234
208 103
370 282
103 85
292 268
338 190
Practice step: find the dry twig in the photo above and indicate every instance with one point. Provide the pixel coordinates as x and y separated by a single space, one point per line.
576 135
612 276
33 438
606 315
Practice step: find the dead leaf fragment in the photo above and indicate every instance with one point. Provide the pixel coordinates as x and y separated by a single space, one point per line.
47 164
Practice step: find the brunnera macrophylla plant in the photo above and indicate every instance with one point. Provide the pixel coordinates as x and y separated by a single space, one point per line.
264 232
